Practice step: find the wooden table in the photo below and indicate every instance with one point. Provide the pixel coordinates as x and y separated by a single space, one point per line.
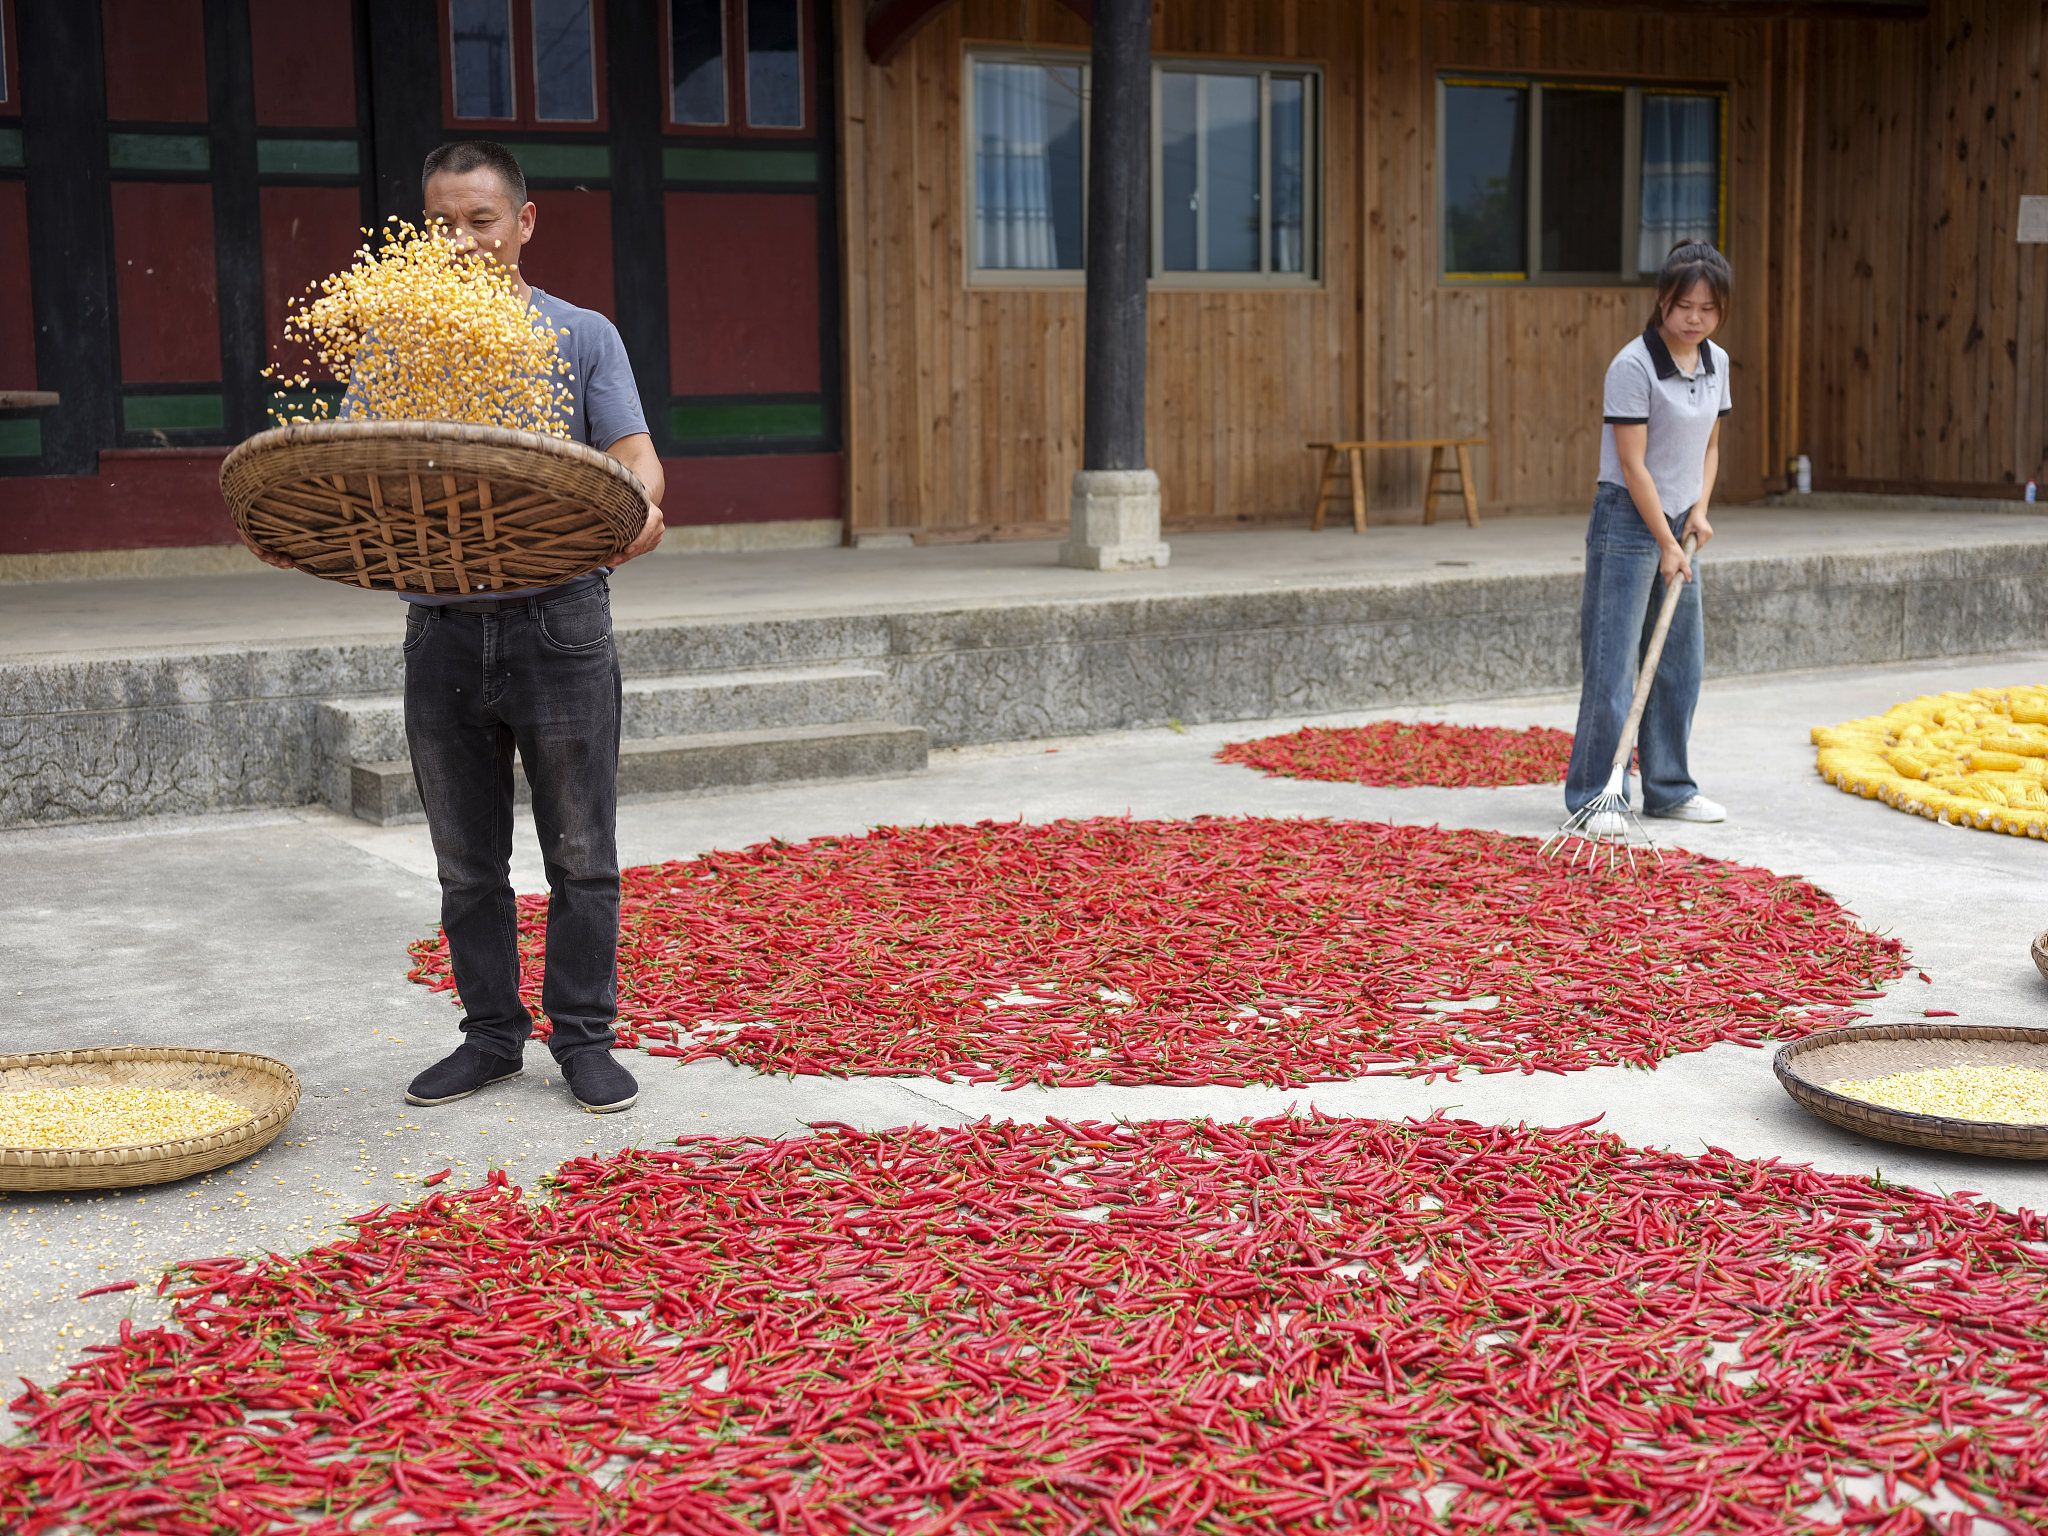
1342 457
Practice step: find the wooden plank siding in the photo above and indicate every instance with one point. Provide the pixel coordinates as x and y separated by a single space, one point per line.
1885 321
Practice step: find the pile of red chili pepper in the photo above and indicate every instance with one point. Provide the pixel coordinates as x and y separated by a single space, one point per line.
1219 950
1400 754
1278 1326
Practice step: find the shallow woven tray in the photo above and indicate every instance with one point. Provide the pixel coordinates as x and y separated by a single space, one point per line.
432 506
1806 1066
263 1085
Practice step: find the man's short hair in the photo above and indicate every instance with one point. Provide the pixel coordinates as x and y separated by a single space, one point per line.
468 155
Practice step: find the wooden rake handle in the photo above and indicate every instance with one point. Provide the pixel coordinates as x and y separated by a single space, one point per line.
1647 674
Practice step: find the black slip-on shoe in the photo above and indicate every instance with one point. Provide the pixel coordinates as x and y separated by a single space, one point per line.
458 1076
599 1084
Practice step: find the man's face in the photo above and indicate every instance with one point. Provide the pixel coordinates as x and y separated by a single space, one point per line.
473 207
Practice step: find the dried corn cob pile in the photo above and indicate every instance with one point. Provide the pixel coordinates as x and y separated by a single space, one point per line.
2010 1095
112 1117
424 329
1976 759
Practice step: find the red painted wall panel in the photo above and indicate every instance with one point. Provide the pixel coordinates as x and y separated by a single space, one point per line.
570 254
169 498
164 282
308 232
305 63
17 318
159 498
156 60
752 488
743 293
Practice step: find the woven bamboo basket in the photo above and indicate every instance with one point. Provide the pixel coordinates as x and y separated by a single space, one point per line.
1808 1065
432 506
264 1086
2039 950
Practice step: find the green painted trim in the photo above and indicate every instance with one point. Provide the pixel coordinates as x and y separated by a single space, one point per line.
764 420
570 162
159 152
307 157
21 438
173 413
10 146
695 163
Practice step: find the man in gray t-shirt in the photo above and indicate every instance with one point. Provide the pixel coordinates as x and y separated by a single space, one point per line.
535 671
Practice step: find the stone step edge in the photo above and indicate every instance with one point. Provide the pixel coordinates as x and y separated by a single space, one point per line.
383 793
676 681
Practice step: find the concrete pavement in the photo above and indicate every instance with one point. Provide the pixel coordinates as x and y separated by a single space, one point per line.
285 932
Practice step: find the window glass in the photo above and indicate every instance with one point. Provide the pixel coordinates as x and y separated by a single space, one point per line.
696 70
1209 163
1027 166
481 45
775 73
1485 137
564 81
1583 144
1681 174
1286 111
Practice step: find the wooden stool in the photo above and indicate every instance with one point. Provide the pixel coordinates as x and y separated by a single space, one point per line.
1349 458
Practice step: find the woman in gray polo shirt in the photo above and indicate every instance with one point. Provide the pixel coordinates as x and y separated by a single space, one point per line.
1667 391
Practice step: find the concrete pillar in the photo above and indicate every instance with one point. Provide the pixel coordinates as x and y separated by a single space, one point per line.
1116 498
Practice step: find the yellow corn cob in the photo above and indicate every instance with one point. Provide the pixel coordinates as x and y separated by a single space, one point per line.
1977 759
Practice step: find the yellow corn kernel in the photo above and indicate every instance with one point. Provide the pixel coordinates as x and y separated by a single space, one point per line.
2010 1095
112 1117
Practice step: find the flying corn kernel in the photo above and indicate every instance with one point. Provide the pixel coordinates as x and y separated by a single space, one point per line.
423 328
112 1117
1977 759
2010 1095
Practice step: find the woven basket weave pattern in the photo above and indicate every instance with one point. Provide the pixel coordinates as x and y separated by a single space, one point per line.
422 506
1863 1051
263 1085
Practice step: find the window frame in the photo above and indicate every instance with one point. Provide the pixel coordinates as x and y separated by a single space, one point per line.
1633 89
1315 187
733 18
10 85
525 78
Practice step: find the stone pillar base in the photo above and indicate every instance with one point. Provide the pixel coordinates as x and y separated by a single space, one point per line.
1115 521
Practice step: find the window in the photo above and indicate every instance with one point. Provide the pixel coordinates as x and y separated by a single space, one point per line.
738 66
532 63
1234 179
1573 181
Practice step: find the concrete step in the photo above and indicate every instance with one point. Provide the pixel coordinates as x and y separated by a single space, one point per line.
383 792
370 731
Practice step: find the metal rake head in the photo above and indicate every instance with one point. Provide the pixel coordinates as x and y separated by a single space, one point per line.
1605 831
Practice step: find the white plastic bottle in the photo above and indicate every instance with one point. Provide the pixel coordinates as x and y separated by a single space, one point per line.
2030 490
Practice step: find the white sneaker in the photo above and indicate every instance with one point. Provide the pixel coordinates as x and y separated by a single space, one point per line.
1694 808
1605 824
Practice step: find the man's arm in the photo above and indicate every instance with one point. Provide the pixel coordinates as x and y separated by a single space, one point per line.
636 452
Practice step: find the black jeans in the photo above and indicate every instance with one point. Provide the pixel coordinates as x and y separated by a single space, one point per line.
542 676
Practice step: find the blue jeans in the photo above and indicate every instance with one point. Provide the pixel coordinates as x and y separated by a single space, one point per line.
1616 614
541 675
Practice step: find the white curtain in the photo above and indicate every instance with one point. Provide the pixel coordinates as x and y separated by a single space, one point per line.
1681 174
1013 173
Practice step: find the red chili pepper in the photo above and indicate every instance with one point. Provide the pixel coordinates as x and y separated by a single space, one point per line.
436 1178
105 1290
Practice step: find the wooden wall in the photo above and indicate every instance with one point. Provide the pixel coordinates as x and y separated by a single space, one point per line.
1927 323
1882 312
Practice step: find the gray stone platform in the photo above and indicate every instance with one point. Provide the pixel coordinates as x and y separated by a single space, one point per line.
128 698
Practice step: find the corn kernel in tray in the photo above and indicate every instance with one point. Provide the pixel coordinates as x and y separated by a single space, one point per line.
112 1116
2009 1095
1976 759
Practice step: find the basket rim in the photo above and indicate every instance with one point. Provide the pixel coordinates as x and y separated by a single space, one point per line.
1951 1126
154 1151
453 433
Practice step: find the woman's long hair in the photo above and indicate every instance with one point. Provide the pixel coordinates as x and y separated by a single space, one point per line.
1689 262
